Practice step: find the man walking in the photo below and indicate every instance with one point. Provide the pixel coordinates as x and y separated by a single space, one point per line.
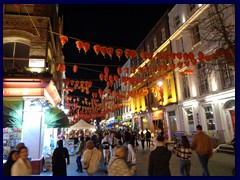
201 143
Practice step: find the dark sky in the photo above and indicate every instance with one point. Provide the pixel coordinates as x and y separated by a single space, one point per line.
117 26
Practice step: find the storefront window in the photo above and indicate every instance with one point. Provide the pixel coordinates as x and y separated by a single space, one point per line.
209 118
189 112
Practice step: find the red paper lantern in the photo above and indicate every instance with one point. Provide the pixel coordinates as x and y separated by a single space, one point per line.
179 55
75 68
126 70
110 51
143 55
86 47
119 70
119 53
79 45
200 55
63 39
106 77
106 70
133 54
185 56
172 66
103 50
96 49
180 65
101 76
150 55
127 53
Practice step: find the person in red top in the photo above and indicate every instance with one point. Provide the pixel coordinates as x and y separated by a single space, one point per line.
201 143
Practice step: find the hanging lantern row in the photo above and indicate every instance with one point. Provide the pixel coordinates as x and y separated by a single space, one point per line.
147 55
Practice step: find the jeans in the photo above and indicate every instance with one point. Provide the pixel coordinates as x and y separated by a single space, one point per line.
79 164
203 158
148 142
184 167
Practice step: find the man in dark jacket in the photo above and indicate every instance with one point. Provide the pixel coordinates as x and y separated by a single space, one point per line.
159 159
59 157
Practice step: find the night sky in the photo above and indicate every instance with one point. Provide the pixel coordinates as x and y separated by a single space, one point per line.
116 26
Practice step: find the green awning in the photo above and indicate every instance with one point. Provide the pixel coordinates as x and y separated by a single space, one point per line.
56 118
12 112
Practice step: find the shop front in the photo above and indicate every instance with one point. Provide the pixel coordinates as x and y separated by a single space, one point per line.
26 117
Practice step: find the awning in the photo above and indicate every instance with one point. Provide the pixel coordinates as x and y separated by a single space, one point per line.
56 118
12 112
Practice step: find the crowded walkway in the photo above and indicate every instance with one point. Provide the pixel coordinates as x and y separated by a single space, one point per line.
221 164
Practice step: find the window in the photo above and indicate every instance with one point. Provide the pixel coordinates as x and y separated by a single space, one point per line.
163 34
189 112
195 34
15 56
169 88
203 78
191 7
148 48
155 42
179 43
209 117
176 21
186 91
227 73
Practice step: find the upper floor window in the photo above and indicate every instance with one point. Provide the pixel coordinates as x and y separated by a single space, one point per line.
195 34
23 9
203 78
191 7
227 73
186 91
148 48
15 56
163 34
155 42
176 21
180 46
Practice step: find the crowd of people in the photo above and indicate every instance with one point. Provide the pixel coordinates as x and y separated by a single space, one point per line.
113 145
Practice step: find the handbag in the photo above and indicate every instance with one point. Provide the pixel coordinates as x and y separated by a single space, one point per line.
86 164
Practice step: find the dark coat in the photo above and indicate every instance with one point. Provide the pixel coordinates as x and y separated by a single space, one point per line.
59 157
159 162
8 165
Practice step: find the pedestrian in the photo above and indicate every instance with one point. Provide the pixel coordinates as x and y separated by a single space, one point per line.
22 167
159 159
184 152
60 155
91 158
131 158
201 143
12 158
113 142
79 152
117 165
106 145
142 138
148 138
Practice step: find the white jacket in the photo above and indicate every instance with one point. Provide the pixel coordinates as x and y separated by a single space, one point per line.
19 168
94 156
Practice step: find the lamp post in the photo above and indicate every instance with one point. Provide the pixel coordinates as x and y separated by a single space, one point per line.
160 85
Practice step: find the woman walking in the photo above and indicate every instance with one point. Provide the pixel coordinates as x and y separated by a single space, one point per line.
184 152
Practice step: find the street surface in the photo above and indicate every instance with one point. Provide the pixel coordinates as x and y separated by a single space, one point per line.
221 164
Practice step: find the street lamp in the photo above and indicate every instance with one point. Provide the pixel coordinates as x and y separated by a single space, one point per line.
160 85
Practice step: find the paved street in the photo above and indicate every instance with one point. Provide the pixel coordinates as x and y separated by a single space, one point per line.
221 164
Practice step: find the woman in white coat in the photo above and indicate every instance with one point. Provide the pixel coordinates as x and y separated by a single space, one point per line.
91 158
22 167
